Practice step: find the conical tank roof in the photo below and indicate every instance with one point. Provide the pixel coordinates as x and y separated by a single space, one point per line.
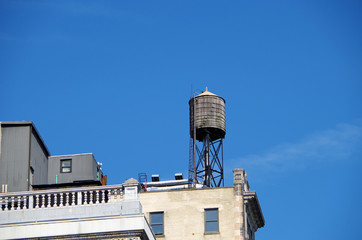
206 93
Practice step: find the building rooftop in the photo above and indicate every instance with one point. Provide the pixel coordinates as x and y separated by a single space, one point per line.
27 123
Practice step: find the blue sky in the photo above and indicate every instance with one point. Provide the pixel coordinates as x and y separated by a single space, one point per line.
114 78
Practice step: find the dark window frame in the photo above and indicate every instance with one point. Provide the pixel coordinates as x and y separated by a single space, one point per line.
62 167
206 221
158 224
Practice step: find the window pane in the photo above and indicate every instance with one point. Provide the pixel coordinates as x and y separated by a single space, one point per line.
157 229
211 215
157 218
65 169
212 227
66 163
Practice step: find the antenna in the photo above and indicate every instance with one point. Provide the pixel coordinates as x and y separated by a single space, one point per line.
192 149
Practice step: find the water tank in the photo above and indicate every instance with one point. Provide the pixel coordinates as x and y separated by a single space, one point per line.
208 116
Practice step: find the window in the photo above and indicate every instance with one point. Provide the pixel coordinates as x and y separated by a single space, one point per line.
156 219
66 165
211 220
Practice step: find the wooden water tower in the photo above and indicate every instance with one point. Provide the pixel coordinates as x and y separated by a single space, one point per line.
207 131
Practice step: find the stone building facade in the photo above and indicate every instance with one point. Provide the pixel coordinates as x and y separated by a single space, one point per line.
205 213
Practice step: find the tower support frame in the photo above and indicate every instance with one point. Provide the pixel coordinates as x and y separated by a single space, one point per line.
209 168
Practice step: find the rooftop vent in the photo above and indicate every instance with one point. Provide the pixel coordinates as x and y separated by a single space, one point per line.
179 176
155 177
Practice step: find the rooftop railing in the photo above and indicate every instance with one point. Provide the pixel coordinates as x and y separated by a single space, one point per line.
65 197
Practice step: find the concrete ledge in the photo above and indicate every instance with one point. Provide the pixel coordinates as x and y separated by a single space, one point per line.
123 224
60 213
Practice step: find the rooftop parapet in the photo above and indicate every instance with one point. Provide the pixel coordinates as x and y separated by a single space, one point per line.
103 212
33 206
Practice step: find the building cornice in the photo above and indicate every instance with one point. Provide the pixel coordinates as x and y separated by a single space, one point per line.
254 210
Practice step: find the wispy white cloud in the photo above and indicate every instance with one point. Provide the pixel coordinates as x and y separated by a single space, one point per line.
325 147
